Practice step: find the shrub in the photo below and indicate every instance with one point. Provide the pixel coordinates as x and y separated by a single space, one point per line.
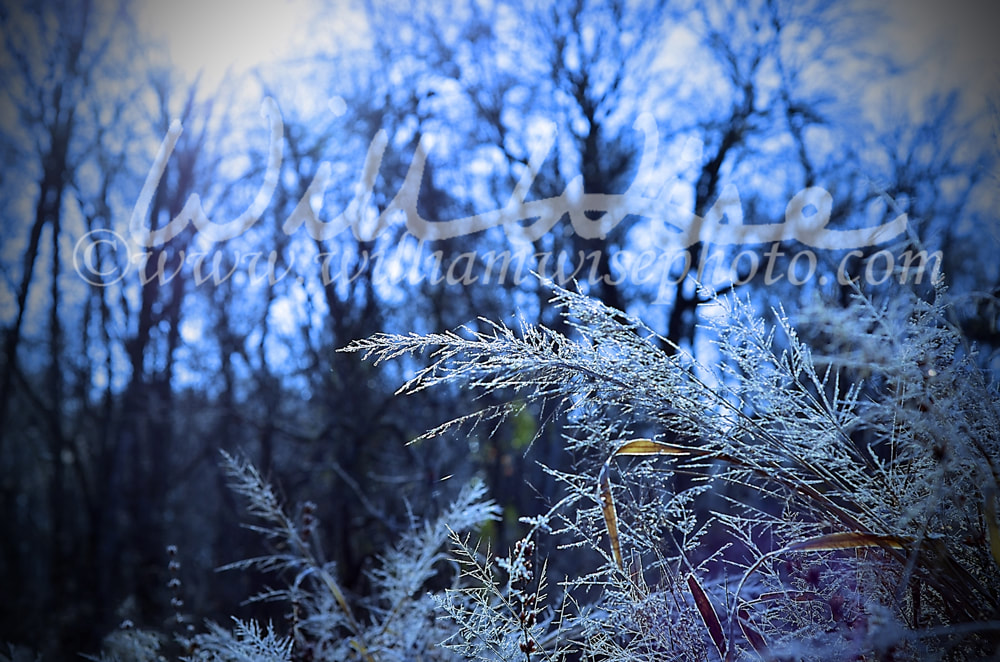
830 499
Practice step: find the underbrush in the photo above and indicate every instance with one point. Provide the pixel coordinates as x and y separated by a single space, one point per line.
825 489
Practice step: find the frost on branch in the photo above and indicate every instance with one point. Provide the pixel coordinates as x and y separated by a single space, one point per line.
825 489
397 621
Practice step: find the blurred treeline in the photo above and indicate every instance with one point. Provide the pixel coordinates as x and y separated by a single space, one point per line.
126 367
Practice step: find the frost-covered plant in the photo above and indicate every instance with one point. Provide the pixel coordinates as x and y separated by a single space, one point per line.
829 499
501 611
246 643
398 621
130 644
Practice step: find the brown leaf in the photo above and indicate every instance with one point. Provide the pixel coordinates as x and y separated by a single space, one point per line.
752 634
992 524
708 615
610 515
847 540
650 447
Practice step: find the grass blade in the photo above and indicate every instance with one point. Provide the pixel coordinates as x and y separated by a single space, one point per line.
708 615
650 447
751 633
610 515
846 540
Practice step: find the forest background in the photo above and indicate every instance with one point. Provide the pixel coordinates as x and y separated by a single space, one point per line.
136 346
